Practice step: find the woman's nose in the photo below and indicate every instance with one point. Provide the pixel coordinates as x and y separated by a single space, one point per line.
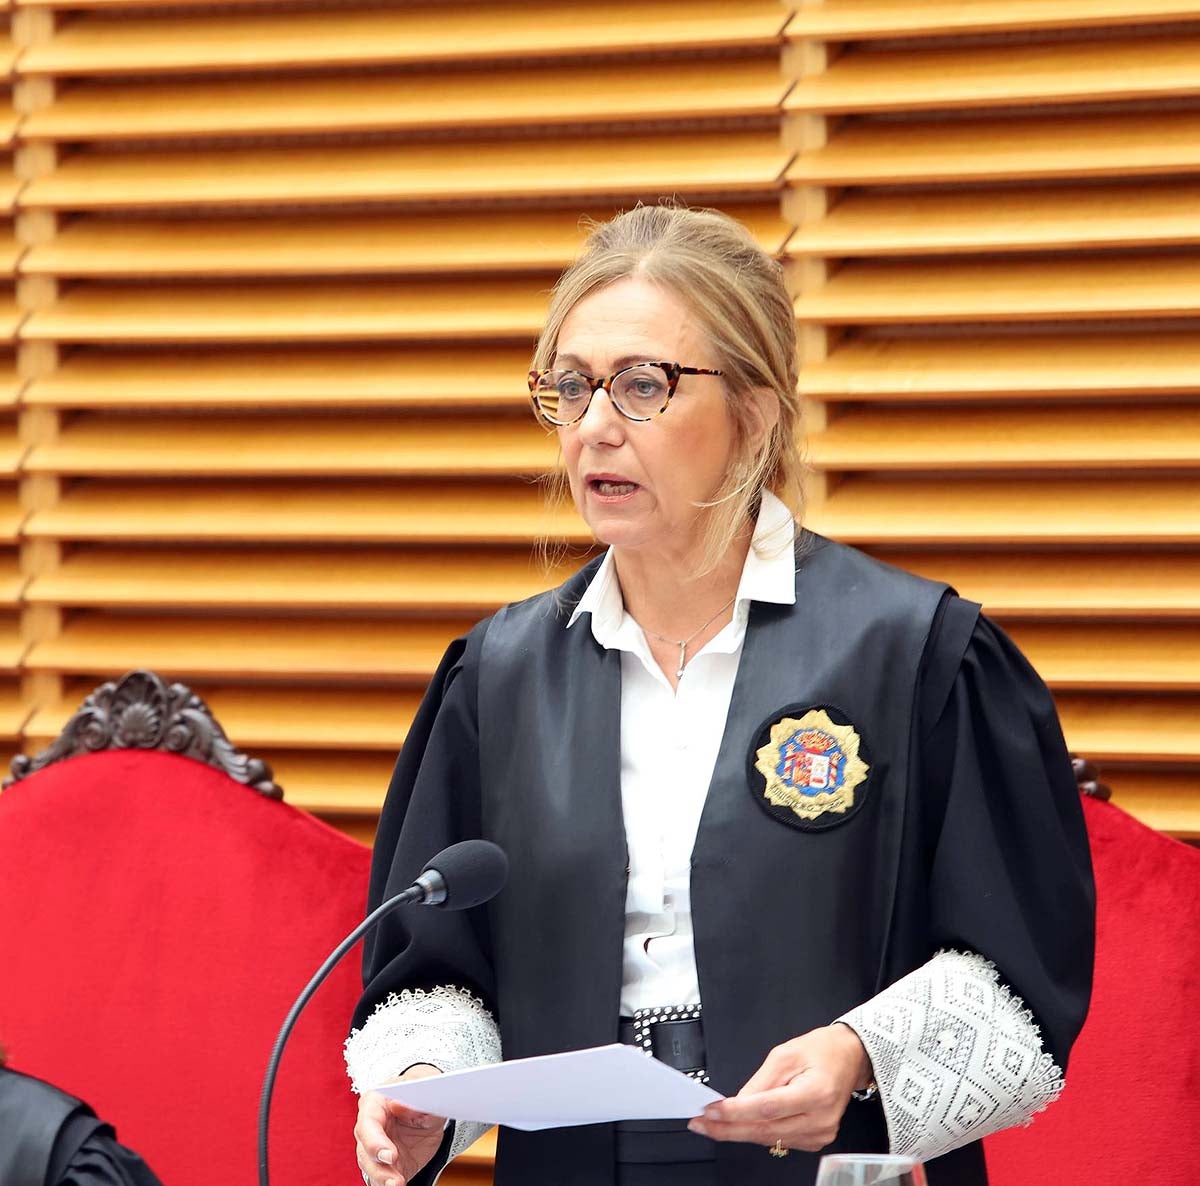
601 422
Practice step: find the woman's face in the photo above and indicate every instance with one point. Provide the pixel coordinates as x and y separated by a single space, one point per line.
637 484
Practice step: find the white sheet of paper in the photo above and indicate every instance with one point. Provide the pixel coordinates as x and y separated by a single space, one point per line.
558 1090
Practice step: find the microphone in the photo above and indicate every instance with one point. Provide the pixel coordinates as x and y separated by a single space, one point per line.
466 874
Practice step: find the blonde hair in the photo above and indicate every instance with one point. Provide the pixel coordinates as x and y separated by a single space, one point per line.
735 291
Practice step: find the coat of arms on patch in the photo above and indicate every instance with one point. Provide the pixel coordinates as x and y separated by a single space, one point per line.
811 765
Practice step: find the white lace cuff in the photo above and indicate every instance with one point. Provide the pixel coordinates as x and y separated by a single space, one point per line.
956 1055
445 1027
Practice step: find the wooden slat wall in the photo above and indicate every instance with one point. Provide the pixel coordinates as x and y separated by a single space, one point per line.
997 277
274 272
289 263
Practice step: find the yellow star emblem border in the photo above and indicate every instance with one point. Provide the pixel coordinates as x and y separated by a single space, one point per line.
811 807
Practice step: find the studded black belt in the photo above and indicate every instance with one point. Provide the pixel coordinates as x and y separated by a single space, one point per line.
672 1034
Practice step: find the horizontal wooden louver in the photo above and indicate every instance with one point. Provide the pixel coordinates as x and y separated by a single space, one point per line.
295 376
334 312
416 242
202 648
409 580
101 44
1065 364
300 256
979 439
971 220
927 292
437 101
348 446
863 507
970 77
1015 147
708 164
996 270
867 20
290 512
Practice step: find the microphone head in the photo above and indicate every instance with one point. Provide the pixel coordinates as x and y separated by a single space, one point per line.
474 872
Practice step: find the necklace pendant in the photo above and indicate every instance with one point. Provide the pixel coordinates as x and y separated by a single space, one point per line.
682 659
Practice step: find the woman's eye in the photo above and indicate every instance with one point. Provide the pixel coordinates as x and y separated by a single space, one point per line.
647 389
571 389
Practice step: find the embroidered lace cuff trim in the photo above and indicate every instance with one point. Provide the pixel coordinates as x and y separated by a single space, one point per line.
446 1027
956 1055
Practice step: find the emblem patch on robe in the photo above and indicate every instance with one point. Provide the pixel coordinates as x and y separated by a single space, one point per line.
811 766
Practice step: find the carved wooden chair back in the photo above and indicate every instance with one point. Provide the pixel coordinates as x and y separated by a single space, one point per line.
162 909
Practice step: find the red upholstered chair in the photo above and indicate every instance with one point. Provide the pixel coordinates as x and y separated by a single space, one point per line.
159 915
1131 1109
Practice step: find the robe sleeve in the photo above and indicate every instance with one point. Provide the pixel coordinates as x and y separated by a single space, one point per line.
433 801
977 1039
1010 872
101 1160
428 985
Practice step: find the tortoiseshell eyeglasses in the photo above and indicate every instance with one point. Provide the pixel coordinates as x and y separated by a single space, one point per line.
639 392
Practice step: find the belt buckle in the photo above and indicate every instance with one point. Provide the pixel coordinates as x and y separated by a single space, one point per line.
645 1020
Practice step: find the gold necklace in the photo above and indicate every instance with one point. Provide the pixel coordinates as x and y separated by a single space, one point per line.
682 644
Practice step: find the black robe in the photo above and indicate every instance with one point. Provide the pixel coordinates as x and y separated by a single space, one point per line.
967 834
51 1138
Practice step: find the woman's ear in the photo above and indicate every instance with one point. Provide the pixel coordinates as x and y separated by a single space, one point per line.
763 406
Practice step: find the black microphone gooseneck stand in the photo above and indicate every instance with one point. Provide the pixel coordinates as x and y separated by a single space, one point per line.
466 874
413 894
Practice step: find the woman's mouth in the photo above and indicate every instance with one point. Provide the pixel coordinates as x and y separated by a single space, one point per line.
611 487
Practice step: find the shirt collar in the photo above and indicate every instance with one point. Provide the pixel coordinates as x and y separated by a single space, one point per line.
602 598
769 574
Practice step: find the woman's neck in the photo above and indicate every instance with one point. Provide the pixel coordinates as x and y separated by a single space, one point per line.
671 595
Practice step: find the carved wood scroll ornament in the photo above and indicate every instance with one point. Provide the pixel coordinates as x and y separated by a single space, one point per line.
141 711
1087 779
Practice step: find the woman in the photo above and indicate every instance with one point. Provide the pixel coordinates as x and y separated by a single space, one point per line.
741 772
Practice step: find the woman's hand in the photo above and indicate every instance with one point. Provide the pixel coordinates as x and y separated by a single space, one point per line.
394 1143
797 1096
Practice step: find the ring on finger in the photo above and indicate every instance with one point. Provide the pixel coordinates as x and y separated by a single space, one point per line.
779 1149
